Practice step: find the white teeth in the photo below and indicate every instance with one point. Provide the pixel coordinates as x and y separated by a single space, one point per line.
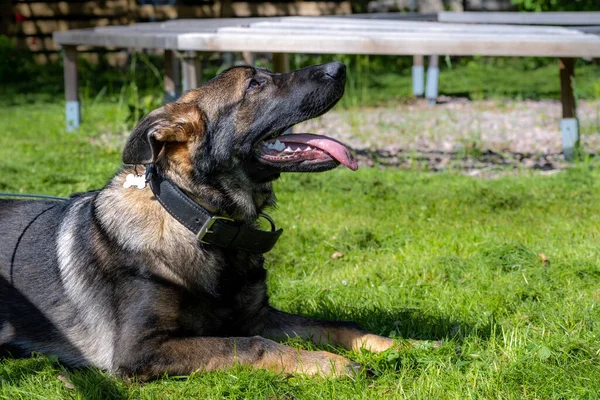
276 146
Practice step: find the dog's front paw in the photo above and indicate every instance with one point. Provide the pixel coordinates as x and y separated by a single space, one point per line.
326 364
374 343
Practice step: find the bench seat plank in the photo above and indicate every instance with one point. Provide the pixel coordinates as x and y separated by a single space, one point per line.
522 18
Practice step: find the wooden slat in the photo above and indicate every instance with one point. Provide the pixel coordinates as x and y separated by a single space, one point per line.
282 24
212 23
362 32
398 45
589 29
393 16
184 25
518 42
341 23
523 18
410 26
142 40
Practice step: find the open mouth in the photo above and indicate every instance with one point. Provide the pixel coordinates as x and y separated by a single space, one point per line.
310 149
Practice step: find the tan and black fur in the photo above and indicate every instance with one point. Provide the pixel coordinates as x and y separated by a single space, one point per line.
110 279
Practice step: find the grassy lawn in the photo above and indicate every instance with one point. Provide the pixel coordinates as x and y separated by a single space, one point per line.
372 80
505 272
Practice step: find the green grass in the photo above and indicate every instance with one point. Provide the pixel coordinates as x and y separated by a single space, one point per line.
475 78
372 80
425 256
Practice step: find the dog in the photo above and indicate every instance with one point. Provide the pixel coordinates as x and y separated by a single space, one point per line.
162 272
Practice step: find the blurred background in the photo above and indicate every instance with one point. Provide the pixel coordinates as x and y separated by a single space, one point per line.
508 106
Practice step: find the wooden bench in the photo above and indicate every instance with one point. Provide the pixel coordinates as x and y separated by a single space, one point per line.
329 35
586 22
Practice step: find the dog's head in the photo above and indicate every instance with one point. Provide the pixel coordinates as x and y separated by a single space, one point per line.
232 127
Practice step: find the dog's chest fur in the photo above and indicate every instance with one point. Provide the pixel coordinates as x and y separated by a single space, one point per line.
128 272
183 288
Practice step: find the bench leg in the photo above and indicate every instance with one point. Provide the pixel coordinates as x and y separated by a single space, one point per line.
281 63
191 71
172 80
248 57
227 60
569 125
73 108
433 75
418 76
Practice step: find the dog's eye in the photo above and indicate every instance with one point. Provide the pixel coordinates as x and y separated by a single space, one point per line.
254 84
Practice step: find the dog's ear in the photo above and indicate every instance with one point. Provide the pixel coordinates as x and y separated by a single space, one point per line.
175 122
142 146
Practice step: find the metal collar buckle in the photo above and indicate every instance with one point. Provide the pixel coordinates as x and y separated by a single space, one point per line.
268 218
205 229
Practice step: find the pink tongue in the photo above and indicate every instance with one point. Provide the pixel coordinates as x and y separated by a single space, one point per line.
335 149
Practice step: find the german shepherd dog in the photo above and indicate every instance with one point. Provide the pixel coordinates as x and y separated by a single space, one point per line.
118 279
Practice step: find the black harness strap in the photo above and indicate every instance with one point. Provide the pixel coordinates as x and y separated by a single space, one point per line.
14 253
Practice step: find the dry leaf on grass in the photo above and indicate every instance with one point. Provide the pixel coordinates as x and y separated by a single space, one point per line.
66 381
337 255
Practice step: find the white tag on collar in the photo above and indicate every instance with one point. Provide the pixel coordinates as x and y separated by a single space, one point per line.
138 181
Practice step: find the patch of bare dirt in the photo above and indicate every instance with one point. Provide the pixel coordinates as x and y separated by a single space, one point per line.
458 133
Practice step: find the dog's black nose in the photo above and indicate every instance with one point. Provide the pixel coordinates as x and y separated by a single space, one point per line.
335 70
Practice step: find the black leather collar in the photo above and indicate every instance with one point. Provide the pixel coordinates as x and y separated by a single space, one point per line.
210 229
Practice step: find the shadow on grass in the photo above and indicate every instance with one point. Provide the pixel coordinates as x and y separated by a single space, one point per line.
89 383
409 323
20 318
415 324
92 383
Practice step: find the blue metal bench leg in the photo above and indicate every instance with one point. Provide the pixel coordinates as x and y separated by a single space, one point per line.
570 137
73 108
569 125
418 76
433 75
